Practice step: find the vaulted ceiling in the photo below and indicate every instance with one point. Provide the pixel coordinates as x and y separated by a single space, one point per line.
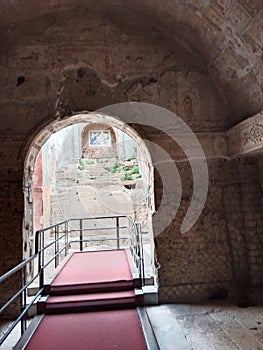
225 37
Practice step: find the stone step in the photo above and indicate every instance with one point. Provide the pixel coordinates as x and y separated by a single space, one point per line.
90 301
150 295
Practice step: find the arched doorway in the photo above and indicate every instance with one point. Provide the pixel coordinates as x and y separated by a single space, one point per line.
87 125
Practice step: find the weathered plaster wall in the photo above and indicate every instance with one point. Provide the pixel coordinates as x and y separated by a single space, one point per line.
90 151
38 192
11 239
62 60
222 253
126 146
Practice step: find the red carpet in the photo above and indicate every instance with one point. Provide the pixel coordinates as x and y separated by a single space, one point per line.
94 269
102 330
86 302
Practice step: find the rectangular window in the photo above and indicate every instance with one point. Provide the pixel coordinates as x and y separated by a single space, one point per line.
99 138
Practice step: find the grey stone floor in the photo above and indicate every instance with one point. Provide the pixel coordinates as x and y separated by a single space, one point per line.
200 327
13 338
207 326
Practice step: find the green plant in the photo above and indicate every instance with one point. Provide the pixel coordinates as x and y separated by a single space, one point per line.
116 167
117 163
126 177
114 170
135 170
81 165
90 161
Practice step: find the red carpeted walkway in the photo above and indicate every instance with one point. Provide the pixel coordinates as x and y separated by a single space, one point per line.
88 271
101 330
90 281
91 301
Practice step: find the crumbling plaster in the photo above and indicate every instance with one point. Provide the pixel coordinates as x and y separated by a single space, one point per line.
200 59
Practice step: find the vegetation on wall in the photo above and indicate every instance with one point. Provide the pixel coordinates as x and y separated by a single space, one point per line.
128 170
83 163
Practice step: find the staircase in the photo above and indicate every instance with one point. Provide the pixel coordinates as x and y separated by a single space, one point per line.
92 281
97 295
106 285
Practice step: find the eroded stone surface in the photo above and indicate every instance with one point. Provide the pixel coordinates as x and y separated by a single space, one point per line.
207 326
199 59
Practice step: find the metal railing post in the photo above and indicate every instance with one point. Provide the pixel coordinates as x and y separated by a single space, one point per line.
41 260
80 235
66 238
133 235
138 226
25 304
55 246
23 299
118 231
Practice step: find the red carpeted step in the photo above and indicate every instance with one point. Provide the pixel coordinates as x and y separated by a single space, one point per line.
102 330
92 272
84 302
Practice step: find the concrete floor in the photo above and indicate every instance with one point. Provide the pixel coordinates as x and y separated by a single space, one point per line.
207 326
13 338
200 327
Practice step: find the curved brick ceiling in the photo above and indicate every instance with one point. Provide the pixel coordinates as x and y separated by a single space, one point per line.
225 35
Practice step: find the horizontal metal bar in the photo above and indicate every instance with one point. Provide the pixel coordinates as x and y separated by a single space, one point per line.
33 278
97 228
53 226
14 324
83 219
99 240
16 268
62 223
54 256
52 243
132 236
99 217
20 291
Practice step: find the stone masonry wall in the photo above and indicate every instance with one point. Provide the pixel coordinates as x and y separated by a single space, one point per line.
222 254
67 61
11 240
38 193
91 151
244 220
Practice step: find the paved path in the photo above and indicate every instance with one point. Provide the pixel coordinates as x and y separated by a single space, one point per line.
203 327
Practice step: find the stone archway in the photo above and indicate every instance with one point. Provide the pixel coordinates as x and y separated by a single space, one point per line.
96 120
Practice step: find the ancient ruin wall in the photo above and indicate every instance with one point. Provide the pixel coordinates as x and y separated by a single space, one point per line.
53 66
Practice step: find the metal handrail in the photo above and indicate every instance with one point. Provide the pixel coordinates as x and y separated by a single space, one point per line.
62 232
20 293
16 268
